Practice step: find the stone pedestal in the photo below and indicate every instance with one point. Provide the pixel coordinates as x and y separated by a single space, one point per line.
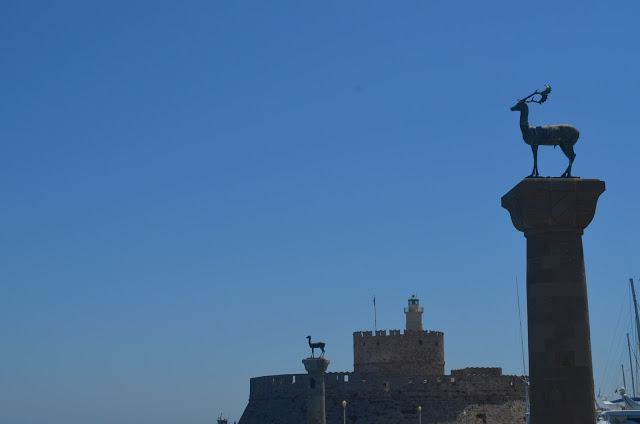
315 405
552 213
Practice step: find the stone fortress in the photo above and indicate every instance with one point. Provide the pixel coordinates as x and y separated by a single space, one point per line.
395 373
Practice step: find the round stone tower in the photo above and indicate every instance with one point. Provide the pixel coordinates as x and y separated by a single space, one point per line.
414 315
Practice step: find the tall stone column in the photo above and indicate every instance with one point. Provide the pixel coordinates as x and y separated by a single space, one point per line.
316 368
552 213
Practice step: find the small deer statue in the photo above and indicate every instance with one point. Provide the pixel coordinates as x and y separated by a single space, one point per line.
563 135
318 345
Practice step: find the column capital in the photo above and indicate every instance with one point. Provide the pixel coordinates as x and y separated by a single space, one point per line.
553 204
316 365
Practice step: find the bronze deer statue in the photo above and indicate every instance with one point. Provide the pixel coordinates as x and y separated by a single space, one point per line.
563 135
318 345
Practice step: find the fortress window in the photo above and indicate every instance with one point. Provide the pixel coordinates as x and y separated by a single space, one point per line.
293 380
453 380
387 387
346 378
420 341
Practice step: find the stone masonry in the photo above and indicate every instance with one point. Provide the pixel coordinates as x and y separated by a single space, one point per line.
316 367
414 352
375 399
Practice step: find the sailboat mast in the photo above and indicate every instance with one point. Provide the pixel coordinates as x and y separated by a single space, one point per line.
524 368
633 383
635 308
624 381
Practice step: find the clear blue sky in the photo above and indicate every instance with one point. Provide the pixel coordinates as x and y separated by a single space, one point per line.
191 188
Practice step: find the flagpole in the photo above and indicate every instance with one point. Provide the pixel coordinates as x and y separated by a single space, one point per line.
375 315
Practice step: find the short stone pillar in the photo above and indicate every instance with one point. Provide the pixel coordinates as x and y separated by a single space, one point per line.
552 213
315 405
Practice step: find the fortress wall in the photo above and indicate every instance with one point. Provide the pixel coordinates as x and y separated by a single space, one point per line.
275 411
468 387
278 386
375 399
411 353
405 411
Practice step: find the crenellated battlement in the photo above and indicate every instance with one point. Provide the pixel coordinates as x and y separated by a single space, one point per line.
471 387
477 371
391 333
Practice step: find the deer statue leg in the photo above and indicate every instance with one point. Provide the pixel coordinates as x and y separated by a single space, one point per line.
568 151
534 149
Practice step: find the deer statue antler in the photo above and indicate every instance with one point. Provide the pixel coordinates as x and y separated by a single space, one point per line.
543 96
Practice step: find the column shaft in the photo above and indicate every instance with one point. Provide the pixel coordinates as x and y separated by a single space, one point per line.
559 337
553 213
316 368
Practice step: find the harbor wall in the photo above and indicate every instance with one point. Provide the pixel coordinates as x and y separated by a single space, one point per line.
372 398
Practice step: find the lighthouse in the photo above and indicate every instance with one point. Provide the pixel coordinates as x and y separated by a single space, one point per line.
414 314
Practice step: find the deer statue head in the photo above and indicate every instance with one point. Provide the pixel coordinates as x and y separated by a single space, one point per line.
522 103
